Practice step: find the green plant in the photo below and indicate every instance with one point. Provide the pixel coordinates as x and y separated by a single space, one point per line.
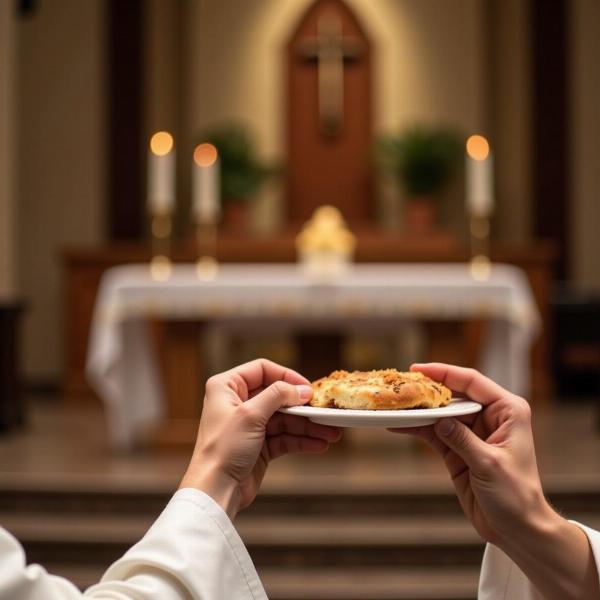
424 159
241 171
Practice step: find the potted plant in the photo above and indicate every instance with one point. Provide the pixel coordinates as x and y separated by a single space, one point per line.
423 160
241 172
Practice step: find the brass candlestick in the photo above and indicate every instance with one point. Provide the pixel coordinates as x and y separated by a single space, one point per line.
160 265
481 264
207 266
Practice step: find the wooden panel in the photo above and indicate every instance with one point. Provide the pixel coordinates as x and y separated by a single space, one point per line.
80 290
182 368
550 47
12 402
329 169
183 377
125 210
319 354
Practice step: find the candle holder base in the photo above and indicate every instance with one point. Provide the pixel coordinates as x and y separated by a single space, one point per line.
207 265
160 267
207 268
480 267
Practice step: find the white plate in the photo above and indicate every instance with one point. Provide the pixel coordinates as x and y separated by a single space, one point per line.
416 417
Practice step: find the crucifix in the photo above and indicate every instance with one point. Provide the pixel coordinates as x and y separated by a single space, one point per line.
331 50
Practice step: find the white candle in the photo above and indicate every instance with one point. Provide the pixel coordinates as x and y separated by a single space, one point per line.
161 174
479 173
206 184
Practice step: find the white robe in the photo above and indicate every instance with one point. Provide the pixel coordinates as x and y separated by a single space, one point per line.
193 551
501 579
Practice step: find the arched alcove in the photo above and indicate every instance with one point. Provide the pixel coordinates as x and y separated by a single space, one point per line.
329 118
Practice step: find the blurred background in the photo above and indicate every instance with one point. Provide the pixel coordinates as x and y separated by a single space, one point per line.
363 104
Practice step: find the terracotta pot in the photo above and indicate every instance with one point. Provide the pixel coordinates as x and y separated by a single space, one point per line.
420 216
236 215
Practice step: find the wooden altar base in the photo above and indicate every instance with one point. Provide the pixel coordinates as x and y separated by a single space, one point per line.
183 372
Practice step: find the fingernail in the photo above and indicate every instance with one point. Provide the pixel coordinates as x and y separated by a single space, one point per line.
304 391
445 427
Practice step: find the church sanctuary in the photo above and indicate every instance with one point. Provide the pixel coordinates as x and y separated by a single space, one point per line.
188 185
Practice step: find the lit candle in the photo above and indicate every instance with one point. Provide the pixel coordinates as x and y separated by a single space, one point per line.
206 184
161 174
479 173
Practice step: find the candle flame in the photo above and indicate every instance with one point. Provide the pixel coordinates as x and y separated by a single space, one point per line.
161 143
478 147
205 155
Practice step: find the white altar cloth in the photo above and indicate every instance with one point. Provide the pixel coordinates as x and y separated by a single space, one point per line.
122 368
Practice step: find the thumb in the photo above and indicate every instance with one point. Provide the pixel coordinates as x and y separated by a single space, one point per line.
278 395
459 438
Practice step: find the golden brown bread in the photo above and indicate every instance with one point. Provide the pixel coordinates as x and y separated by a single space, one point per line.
386 389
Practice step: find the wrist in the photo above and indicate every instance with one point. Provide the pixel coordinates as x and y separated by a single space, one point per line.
535 523
555 555
540 528
215 483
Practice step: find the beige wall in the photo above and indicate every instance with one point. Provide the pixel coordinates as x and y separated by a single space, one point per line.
7 150
585 133
161 64
427 61
61 161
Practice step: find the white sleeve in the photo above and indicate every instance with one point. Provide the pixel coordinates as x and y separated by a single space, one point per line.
501 578
191 551
21 582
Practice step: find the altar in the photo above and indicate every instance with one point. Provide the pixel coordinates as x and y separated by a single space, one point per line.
123 367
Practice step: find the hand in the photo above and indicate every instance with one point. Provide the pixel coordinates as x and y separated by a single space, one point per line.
241 431
491 458
490 455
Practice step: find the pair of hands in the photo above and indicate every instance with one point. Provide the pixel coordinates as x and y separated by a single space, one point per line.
490 457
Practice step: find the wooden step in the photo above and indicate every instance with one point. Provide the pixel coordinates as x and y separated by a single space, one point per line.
276 541
262 531
314 542
437 583
258 531
71 498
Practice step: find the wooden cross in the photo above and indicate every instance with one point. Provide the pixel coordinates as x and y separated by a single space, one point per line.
331 51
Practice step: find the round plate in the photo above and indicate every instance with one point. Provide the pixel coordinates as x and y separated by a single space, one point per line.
416 417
